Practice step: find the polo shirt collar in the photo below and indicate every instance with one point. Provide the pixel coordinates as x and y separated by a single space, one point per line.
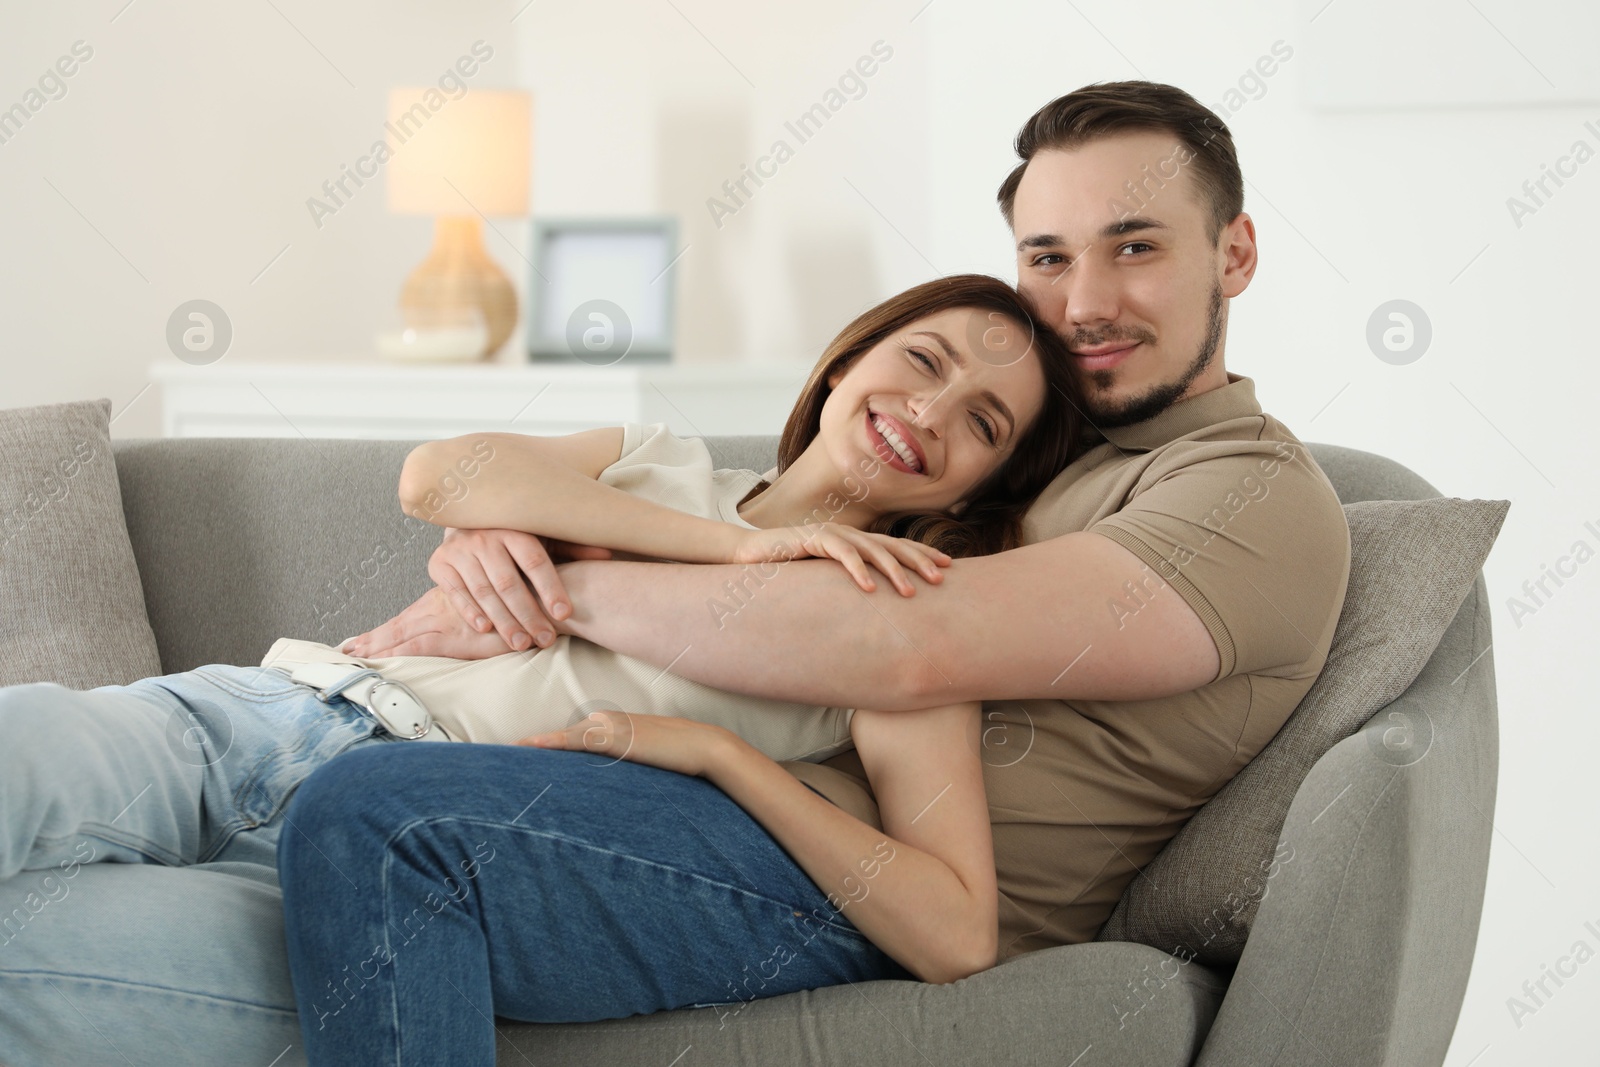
1235 400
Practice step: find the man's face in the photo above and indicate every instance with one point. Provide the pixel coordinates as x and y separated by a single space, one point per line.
1128 278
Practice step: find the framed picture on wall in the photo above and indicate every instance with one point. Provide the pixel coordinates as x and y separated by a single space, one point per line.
602 289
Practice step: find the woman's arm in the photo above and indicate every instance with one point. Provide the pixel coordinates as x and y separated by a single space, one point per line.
548 486
922 889
513 484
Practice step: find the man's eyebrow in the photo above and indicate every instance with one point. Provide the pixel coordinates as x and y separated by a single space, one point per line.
1039 240
1119 228
961 361
1131 224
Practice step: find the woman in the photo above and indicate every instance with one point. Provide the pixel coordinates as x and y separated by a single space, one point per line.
197 768
580 882
852 479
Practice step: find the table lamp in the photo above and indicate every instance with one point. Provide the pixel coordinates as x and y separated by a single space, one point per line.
459 160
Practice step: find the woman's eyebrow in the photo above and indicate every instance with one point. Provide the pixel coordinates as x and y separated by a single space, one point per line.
955 357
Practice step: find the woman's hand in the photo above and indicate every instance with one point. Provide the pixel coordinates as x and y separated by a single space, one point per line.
664 741
852 547
482 574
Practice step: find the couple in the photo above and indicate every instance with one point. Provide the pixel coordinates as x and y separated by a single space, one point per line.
1161 618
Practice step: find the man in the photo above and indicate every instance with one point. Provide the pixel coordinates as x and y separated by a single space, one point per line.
1178 587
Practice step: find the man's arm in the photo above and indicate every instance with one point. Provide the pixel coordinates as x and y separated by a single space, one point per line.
1050 620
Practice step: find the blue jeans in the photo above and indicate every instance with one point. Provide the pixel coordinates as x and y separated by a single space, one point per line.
140 917
433 887
141 921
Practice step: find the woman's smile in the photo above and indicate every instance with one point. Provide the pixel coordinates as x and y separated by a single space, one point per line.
895 443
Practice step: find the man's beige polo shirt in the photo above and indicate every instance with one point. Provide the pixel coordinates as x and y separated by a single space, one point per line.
1227 506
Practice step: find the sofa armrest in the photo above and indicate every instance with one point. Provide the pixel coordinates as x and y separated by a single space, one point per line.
1362 948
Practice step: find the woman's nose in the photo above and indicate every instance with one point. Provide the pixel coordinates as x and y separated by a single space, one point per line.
923 416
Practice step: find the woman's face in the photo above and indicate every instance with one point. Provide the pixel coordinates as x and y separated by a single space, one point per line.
934 408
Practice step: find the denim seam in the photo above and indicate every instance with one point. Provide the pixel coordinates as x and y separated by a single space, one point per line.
240 690
388 947
224 837
106 834
429 820
10 974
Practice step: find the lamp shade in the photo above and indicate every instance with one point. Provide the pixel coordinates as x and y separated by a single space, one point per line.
459 155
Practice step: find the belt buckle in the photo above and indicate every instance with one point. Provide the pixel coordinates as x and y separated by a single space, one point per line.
424 719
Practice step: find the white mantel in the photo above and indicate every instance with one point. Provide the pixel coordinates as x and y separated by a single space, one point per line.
402 401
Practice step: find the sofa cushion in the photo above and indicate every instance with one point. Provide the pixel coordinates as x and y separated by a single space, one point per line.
1412 564
1127 1003
74 610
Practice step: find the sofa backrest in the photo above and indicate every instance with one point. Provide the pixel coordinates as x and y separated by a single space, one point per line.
241 541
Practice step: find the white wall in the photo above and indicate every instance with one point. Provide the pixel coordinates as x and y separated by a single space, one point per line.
647 107
183 153
191 139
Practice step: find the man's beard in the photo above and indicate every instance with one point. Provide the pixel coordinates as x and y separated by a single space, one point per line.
1106 414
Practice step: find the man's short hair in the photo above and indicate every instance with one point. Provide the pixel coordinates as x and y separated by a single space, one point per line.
1099 110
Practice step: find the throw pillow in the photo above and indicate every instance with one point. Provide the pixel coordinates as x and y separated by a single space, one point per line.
74 610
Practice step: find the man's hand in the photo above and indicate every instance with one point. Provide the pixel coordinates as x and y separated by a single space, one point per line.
429 627
485 575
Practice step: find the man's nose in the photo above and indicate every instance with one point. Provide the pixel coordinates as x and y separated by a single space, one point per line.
1090 295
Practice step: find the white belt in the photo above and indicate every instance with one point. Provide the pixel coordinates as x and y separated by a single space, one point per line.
391 704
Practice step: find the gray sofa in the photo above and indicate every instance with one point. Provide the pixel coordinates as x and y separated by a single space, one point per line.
1360 954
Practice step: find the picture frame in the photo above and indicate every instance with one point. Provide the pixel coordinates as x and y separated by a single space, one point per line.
603 290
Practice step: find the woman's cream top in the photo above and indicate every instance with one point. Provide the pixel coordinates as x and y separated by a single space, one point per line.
508 697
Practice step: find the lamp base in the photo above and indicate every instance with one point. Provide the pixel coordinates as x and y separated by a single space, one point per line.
458 283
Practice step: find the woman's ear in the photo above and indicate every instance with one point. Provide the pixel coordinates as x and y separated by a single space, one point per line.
836 375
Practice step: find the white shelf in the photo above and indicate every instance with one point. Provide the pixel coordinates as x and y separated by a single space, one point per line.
395 401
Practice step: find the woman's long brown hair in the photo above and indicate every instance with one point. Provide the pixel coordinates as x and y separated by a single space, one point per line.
992 519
